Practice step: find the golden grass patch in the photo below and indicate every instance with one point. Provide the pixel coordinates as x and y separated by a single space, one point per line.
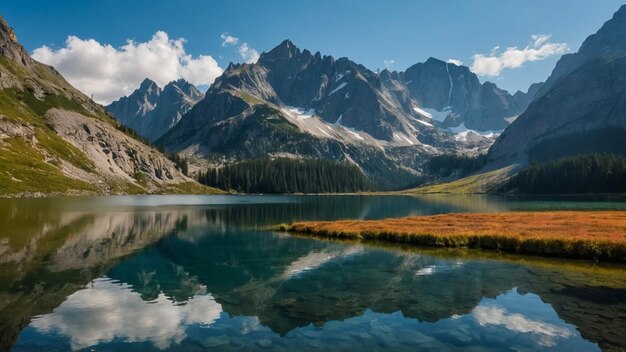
599 235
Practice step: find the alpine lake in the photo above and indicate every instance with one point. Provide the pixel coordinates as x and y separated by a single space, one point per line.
197 273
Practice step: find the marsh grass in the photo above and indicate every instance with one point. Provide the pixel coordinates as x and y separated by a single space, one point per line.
598 235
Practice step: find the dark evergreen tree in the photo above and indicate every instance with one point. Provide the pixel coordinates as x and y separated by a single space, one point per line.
283 175
590 173
447 165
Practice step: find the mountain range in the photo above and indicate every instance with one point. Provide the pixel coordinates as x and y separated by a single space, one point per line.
294 103
152 111
298 104
54 139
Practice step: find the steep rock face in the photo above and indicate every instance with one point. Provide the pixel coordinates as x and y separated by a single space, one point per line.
128 110
54 139
455 95
10 48
333 102
114 153
609 42
584 98
152 111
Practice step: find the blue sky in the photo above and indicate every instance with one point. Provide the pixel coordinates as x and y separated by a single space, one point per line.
369 32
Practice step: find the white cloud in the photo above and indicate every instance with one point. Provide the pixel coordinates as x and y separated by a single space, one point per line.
109 310
513 57
539 39
389 63
495 315
109 73
248 55
455 62
228 39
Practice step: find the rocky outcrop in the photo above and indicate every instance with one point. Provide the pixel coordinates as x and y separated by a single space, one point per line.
11 48
54 139
584 97
609 42
115 154
457 96
152 111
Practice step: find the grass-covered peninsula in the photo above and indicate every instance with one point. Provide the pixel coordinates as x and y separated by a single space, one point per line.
597 235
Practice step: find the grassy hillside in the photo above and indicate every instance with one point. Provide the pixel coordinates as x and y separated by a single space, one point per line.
31 155
55 140
480 183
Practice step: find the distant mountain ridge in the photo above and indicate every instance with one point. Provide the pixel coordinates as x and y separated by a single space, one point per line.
294 103
152 111
454 95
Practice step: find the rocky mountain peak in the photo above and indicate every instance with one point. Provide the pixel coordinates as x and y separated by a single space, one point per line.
7 32
434 61
148 85
183 86
179 84
151 111
284 51
10 47
611 38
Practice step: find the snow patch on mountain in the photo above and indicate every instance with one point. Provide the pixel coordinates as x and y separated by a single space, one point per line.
353 132
511 119
451 83
341 86
434 114
324 132
401 138
300 113
425 123
340 76
464 134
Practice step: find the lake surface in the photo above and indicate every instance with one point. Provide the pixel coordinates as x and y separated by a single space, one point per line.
195 273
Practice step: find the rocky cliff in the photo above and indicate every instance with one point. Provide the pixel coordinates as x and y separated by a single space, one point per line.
580 109
54 139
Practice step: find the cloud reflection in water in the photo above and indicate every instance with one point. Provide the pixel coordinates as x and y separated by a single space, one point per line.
109 310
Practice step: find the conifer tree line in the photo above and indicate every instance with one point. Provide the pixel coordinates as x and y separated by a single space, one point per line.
590 173
447 165
283 175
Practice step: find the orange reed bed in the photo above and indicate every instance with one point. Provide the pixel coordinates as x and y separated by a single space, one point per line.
598 235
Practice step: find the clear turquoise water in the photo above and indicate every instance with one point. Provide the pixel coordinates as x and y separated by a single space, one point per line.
179 273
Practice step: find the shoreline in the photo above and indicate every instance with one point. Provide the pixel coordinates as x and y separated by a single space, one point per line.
592 235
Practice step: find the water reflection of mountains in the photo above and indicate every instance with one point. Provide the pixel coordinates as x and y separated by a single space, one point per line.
286 282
